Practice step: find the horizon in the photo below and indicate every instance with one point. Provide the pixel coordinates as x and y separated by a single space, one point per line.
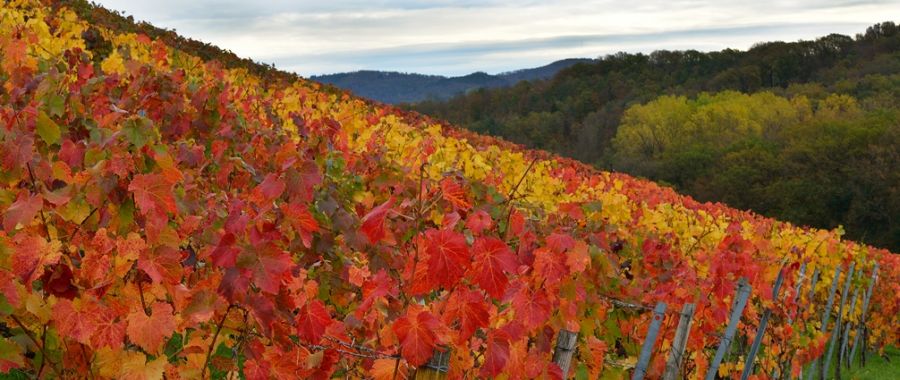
456 38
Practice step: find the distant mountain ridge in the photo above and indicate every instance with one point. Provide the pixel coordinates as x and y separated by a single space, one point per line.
394 87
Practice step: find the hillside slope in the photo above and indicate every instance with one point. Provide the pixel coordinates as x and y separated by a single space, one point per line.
813 137
394 88
166 215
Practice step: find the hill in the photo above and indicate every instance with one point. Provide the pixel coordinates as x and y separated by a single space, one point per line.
394 88
179 213
766 160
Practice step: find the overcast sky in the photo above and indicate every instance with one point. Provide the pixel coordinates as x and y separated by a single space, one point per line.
459 37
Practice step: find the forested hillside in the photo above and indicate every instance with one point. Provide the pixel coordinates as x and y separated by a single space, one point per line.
814 140
393 87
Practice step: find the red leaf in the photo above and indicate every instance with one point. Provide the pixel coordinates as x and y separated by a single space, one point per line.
560 243
373 222
469 308
448 256
270 188
8 288
416 333
202 306
516 223
532 307
312 321
263 310
478 221
30 255
164 263
303 222
550 265
22 210
71 321
109 328
153 194
492 258
225 254
497 354
266 266
58 281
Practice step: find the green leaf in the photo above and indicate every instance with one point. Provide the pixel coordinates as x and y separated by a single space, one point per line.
125 216
138 131
56 105
11 352
75 211
5 307
47 129
582 372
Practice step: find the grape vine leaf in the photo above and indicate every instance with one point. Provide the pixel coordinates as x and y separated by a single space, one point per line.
492 258
416 332
373 222
150 331
448 256
312 320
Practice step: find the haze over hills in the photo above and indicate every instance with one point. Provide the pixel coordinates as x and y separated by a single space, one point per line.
395 88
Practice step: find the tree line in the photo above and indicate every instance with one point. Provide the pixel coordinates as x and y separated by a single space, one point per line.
804 131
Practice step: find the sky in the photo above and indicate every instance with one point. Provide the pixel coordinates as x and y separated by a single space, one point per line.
454 38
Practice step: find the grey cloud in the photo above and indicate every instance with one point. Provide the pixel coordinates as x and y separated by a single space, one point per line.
461 36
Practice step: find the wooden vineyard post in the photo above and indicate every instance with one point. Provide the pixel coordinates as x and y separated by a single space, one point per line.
743 293
836 331
676 356
760 331
565 348
862 318
825 314
436 368
813 279
797 288
842 352
647 349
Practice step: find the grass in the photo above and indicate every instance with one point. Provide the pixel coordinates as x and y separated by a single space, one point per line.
876 367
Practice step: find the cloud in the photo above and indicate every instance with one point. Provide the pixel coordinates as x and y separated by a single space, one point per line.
459 37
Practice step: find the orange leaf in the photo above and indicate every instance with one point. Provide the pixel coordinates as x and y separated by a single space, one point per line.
150 332
153 194
452 192
23 210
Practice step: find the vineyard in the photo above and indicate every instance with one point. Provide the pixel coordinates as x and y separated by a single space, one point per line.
166 216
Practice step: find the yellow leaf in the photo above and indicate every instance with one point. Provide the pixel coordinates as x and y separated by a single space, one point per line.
136 367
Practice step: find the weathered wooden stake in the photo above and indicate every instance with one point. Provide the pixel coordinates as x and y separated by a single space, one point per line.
860 327
743 292
825 314
676 356
436 368
836 331
842 354
647 349
797 287
760 331
565 348
812 292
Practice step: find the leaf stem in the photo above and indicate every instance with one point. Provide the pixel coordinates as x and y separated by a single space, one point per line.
34 188
213 343
38 345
